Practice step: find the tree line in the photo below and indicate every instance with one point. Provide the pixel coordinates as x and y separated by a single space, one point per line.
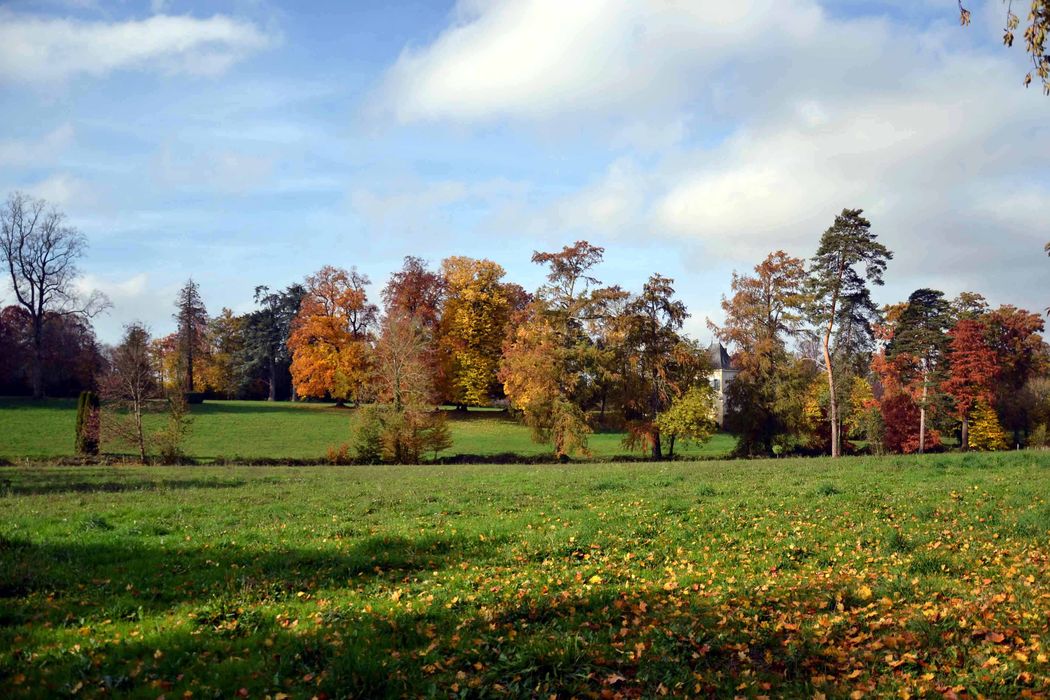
820 368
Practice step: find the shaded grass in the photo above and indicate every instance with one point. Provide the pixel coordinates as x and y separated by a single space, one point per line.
283 430
710 579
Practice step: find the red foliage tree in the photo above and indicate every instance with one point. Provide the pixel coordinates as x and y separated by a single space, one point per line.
973 371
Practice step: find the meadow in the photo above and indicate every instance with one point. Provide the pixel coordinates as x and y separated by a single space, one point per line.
862 577
228 430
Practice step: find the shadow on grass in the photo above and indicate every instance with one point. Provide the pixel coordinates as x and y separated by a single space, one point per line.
43 487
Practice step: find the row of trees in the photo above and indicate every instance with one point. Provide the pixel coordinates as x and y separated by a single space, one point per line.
820 365
572 355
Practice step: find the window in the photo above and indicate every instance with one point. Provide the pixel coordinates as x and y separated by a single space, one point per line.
715 385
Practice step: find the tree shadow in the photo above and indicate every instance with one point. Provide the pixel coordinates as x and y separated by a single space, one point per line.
44 486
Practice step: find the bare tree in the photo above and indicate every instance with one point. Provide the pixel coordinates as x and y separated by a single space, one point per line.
41 252
128 386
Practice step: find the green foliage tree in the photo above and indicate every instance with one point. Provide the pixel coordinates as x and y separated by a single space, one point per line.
192 319
920 343
690 417
848 260
266 334
87 425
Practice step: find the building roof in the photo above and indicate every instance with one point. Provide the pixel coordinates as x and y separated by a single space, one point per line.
716 352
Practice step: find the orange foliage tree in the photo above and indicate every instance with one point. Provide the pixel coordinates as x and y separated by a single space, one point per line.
331 336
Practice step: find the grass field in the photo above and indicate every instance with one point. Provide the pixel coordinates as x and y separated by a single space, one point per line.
257 429
781 578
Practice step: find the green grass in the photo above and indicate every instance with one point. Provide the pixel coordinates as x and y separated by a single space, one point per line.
257 429
903 576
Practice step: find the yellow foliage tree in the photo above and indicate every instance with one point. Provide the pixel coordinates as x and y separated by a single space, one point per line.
986 434
225 339
331 336
473 325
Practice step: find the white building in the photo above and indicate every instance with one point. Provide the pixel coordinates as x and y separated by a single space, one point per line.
721 375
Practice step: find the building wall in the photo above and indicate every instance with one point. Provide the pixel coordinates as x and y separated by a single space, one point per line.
719 378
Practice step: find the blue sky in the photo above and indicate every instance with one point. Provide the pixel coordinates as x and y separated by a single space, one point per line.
251 142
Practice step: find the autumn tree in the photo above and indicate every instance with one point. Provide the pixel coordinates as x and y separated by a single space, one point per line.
331 336
403 425
129 386
973 371
764 313
919 344
660 365
549 359
223 361
1013 334
191 316
848 260
986 434
1035 37
267 331
473 326
417 292
41 252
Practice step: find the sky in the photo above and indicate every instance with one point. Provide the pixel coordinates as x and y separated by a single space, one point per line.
250 142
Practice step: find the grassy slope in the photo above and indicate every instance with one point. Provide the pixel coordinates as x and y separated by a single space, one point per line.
783 578
281 430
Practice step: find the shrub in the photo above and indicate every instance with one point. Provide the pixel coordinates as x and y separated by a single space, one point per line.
87 426
169 439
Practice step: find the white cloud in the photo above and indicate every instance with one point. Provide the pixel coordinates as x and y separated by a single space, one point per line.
537 59
36 49
226 171
36 152
63 190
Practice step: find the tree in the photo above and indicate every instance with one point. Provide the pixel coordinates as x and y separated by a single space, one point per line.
1020 354
474 321
222 366
41 252
403 425
986 434
1035 37
331 336
129 385
848 260
973 371
402 375
550 366
919 342
267 331
417 291
690 417
192 319
764 312
659 369
538 382
87 427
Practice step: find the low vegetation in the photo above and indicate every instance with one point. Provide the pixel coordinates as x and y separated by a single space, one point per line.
902 576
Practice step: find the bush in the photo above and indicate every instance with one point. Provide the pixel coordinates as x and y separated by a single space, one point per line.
400 437
87 427
169 439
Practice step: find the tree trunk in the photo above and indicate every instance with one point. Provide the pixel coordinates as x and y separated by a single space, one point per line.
833 409
922 416
670 447
965 434
655 435
833 406
138 432
37 372
273 380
